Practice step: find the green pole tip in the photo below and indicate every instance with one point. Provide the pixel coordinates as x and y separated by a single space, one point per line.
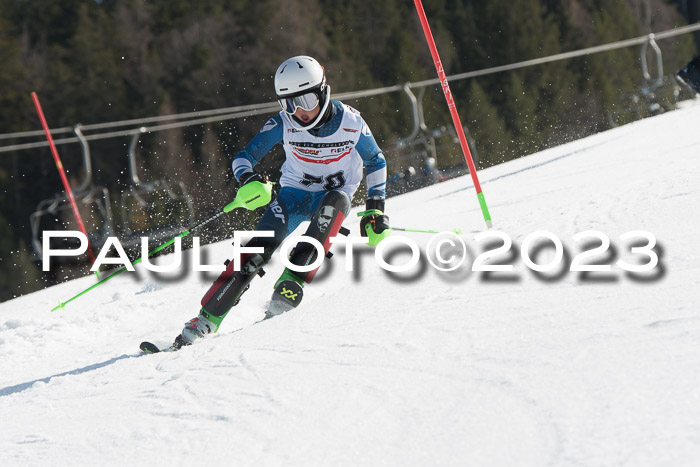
232 205
458 231
60 305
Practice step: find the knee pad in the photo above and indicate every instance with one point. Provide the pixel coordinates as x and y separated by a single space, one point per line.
325 224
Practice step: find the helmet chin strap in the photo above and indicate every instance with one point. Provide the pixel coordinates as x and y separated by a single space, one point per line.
299 125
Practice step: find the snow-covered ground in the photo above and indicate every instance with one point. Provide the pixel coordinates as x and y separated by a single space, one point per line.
419 368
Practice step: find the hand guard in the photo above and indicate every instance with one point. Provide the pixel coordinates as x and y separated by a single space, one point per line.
375 224
251 176
255 192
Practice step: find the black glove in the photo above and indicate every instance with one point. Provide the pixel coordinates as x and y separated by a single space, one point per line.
374 216
251 176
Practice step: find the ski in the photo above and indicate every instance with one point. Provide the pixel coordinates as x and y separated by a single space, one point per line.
150 348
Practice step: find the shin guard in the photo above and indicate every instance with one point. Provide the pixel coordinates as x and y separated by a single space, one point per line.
325 224
226 291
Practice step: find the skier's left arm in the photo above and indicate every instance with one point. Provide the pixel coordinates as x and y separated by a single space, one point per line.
375 223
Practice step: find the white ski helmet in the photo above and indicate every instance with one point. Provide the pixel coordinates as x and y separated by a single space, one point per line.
301 82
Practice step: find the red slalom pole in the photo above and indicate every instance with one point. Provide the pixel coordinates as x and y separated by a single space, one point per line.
453 111
62 173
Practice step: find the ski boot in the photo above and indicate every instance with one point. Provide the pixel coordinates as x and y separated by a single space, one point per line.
197 328
223 295
289 290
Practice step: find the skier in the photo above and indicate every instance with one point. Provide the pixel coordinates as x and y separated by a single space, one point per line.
326 144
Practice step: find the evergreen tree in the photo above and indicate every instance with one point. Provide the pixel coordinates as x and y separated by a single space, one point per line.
95 61
521 115
13 77
493 140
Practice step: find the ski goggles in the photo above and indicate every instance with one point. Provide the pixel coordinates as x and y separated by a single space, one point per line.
307 102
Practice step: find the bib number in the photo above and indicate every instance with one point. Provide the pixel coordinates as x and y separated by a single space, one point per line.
331 182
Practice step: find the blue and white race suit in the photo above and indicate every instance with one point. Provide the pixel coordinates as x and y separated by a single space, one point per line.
317 161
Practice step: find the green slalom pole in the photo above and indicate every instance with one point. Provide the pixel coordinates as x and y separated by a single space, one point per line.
250 196
403 229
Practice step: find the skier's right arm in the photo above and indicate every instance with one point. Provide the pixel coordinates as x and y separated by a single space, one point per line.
244 162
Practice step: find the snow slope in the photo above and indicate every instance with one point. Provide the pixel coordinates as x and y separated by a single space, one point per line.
419 368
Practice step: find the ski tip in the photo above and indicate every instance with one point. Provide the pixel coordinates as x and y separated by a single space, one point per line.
147 347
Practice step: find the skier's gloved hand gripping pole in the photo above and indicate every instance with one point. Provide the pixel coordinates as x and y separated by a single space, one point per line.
253 194
374 224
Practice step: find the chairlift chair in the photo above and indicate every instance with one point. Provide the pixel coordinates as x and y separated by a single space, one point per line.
93 202
657 95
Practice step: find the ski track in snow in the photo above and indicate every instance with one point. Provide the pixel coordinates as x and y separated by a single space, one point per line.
461 368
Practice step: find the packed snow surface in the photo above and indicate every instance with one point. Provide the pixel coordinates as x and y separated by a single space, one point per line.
417 368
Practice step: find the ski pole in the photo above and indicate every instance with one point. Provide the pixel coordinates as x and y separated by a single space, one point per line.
250 198
62 305
403 229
